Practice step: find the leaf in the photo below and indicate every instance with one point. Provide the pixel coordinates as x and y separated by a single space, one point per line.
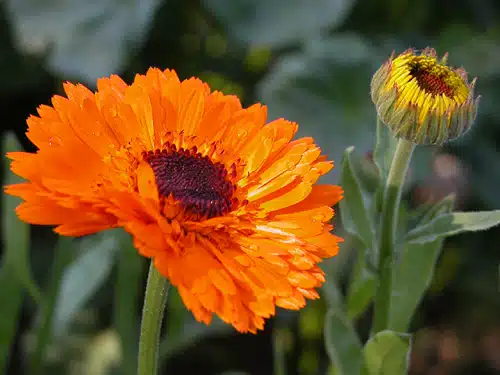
353 211
442 207
342 344
18 258
83 39
323 88
383 153
411 278
83 277
384 149
361 288
15 273
453 223
332 293
426 212
386 353
280 22
414 270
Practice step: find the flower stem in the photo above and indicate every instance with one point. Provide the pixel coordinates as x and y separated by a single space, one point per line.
152 316
390 210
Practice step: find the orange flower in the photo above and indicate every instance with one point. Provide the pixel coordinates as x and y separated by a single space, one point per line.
223 203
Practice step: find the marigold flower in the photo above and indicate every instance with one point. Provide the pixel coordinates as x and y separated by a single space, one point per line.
224 203
422 99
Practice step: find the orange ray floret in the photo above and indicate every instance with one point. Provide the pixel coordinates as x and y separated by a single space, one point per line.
225 204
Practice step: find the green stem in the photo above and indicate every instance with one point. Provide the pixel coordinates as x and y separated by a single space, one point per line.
152 316
390 210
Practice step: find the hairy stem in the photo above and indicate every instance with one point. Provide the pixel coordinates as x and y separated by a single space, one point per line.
152 316
390 210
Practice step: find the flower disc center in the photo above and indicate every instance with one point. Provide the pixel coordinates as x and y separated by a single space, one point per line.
200 185
431 82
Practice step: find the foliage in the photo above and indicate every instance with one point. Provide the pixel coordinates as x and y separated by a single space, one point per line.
311 64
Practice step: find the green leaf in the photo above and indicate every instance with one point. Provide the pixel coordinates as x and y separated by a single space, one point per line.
425 213
444 206
382 157
17 259
414 270
15 273
384 149
342 344
82 39
412 275
280 22
453 223
361 288
332 293
83 277
386 353
353 211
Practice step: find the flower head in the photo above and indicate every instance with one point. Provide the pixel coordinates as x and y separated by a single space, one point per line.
224 203
422 99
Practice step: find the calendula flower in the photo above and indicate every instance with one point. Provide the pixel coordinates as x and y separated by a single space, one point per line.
422 99
224 203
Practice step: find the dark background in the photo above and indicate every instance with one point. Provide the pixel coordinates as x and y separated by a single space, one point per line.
311 62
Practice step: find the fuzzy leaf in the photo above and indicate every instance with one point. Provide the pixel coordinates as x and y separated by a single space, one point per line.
453 223
332 293
442 207
361 288
15 274
414 270
412 275
342 344
386 353
354 213
384 149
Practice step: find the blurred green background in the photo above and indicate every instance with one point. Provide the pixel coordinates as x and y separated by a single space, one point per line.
73 307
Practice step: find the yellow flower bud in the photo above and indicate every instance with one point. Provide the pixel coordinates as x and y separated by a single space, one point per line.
422 99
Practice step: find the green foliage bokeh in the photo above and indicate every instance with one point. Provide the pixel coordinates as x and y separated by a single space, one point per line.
309 61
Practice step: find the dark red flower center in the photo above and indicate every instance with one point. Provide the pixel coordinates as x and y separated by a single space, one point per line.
430 82
201 186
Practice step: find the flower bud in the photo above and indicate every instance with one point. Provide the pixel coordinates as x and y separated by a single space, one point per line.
422 99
